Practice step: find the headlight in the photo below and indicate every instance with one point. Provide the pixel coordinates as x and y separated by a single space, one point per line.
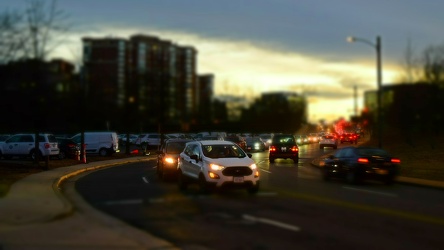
216 167
253 166
169 160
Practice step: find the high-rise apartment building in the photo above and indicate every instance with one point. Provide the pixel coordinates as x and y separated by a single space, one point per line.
157 76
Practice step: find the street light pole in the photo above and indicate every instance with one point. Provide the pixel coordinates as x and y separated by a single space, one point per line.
377 47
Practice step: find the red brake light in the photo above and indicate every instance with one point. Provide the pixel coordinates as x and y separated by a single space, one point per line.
362 160
294 149
47 145
395 160
272 148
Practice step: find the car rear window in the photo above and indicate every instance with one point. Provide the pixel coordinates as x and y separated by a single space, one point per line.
283 139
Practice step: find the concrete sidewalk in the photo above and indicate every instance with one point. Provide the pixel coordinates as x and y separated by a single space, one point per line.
36 215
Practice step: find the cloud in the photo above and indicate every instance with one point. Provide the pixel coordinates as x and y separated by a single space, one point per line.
246 69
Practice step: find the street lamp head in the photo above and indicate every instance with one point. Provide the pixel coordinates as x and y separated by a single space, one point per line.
351 39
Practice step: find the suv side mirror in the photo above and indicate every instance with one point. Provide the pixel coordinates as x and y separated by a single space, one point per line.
195 157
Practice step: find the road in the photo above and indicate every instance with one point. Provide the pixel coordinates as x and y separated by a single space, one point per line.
294 209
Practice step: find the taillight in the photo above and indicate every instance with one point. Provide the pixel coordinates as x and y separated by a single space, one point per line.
47 145
362 160
272 148
294 149
395 160
71 145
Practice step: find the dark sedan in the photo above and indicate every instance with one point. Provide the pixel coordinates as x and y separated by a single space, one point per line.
167 157
68 148
356 164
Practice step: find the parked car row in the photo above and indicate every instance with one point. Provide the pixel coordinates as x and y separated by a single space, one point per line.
23 145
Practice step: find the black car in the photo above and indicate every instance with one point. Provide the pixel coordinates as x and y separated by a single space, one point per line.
68 148
167 157
356 164
254 144
283 146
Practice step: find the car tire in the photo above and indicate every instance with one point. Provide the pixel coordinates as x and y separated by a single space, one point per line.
182 181
203 185
61 155
271 160
296 160
352 177
253 189
33 155
103 152
325 174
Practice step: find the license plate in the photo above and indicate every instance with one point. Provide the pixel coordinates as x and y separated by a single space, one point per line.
381 171
238 179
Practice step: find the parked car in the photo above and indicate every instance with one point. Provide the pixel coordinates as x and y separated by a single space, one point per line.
150 140
68 148
283 146
3 137
266 138
254 144
237 139
217 164
356 164
167 157
328 140
102 143
23 145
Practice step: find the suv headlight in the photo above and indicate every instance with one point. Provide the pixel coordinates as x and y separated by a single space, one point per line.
253 166
216 167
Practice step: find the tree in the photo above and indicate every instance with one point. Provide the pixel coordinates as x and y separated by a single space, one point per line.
33 35
434 64
412 69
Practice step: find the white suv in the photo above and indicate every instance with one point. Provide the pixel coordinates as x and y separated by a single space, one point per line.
24 145
217 164
328 141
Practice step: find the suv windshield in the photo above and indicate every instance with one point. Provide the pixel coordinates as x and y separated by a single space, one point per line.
175 147
222 151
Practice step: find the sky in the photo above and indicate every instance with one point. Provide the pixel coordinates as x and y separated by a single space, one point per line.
256 46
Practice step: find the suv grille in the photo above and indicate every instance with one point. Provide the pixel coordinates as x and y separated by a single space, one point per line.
237 171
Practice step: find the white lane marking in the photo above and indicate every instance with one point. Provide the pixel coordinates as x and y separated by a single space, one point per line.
266 171
124 202
271 222
266 194
370 192
145 180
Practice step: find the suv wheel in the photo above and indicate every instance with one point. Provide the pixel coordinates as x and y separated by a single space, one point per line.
203 185
182 181
62 155
103 152
271 160
296 160
253 189
33 154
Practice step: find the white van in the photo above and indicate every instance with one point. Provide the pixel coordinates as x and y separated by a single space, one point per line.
102 143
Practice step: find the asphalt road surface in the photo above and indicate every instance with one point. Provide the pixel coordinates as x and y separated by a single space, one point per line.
294 209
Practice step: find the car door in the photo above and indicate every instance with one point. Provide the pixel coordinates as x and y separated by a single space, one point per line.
25 145
11 145
196 165
188 164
